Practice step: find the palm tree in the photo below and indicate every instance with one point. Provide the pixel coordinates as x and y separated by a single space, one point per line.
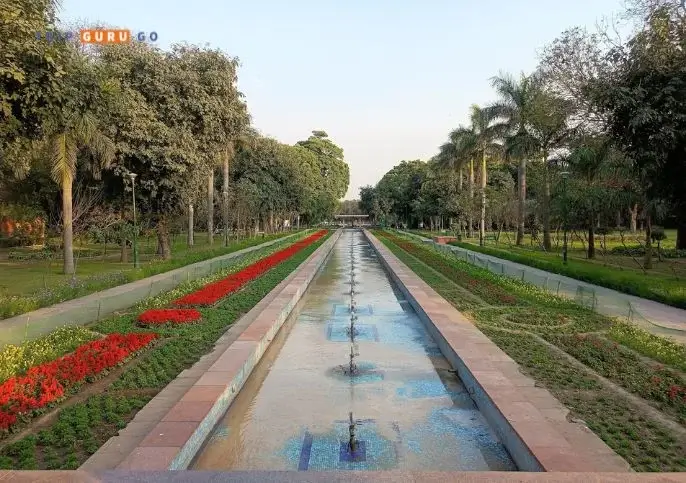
547 129
589 162
459 151
515 98
245 140
78 133
487 134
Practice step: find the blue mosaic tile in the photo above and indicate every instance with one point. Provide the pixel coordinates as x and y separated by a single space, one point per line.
358 455
338 332
422 389
325 450
344 309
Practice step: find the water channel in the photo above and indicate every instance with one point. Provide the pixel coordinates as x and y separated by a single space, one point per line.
353 381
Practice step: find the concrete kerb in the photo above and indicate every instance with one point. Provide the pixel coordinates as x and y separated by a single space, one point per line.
83 310
481 366
224 378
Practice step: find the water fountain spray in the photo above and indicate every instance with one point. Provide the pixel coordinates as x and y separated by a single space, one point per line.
352 442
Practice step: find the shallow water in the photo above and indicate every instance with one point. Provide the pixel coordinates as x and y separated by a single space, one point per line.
410 411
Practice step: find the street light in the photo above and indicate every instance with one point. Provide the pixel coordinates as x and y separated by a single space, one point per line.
565 175
135 227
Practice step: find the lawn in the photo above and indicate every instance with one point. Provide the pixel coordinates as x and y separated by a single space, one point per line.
83 424
28 285
541 332
665 283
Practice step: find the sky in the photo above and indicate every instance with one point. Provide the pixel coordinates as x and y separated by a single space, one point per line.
387 80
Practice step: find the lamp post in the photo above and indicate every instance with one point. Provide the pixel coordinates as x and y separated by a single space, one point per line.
132 176
565 175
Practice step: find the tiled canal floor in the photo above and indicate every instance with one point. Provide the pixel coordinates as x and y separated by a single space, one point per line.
409 409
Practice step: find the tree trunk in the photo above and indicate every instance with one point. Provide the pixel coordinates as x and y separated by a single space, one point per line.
67 227
547 243
591 240
634 215
648 258
163 246
210 207
521 214
298 222
191 225
681 235
482 221
225 194
124 257
470 217
459 180
271 221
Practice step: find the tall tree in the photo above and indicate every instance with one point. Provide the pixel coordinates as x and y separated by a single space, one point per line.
74 126
644 99
515 99
487 134
547 129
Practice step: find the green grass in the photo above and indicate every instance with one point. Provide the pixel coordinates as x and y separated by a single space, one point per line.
80 430
658 286
647 444
29 285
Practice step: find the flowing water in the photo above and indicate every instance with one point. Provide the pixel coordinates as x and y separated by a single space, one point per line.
402 407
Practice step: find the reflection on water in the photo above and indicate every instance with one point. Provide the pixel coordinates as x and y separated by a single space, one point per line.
409 409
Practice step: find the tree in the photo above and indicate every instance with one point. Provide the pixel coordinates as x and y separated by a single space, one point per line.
31 70
487 134
644 100
153 136
589 162
460 150
515 99
547 129
74 127
334 173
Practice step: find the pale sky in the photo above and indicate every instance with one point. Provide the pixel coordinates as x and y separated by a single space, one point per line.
387 80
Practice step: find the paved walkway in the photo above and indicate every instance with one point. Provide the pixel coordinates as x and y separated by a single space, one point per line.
659 318
89 308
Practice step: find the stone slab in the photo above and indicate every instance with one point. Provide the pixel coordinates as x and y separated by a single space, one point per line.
535 441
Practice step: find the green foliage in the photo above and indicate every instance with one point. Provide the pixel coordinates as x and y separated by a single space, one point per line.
662 350
16 305
661 289
522 331
81 429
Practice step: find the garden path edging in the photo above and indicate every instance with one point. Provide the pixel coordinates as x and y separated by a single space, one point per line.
89 308
528 419
201 395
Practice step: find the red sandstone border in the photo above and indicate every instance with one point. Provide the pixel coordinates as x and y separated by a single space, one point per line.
538 419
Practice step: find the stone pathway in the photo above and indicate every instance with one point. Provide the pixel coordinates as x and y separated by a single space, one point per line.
658 318
89 308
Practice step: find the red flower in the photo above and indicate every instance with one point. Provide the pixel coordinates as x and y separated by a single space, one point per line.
45 383
165 316
213 292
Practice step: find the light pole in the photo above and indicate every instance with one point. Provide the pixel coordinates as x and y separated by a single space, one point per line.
135 227
565 175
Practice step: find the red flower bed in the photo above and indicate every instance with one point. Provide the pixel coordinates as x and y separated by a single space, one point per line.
169 316
213 292
47 382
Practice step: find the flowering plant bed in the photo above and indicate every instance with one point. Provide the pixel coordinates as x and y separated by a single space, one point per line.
212 293
652 382
47 382
169 316
485 289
